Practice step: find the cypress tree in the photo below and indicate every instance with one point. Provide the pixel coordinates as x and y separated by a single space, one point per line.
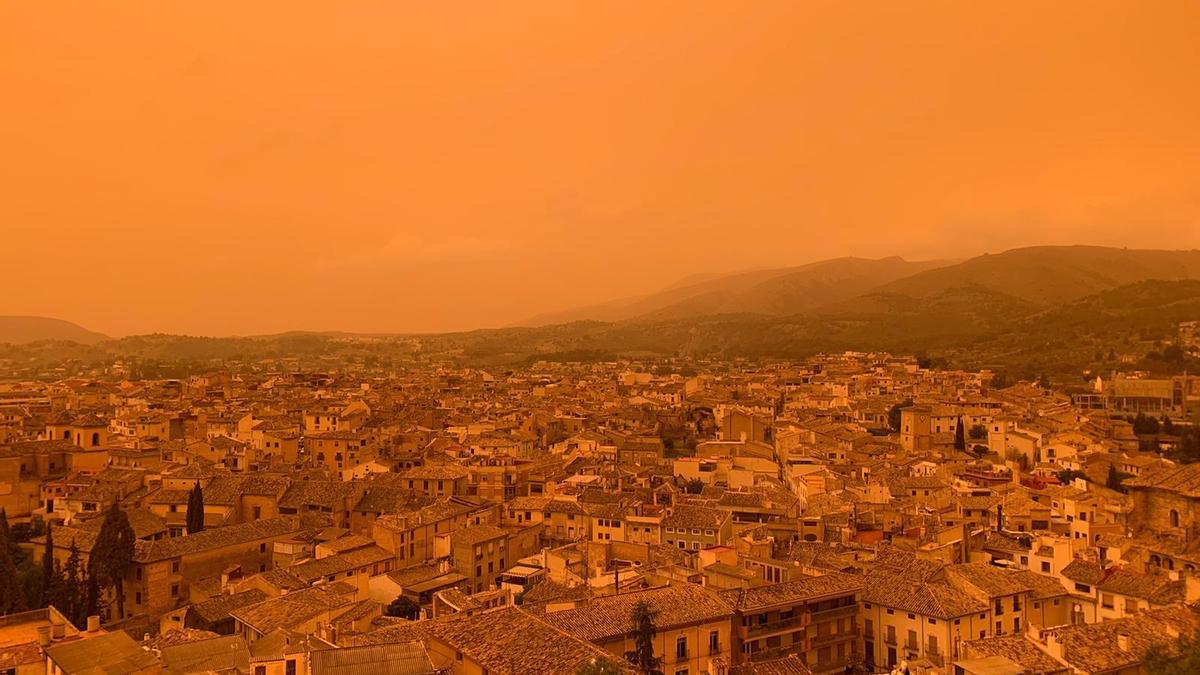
960 436
195 510
72 589
12 592
112 555
51 583
642 655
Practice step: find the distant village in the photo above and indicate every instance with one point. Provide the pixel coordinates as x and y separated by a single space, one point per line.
852 513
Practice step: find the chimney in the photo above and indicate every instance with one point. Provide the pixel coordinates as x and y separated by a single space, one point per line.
1053 646
58 630
1123 641
43 636
93 623
1191 589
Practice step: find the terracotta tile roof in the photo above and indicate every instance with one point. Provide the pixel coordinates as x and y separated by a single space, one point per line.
1018 649
931 599
171 547
1095 648
609 617
793 591
219 607
542 649
1184 480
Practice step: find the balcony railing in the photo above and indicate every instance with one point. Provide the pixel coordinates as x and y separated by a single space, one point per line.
836 612
832 637
778 625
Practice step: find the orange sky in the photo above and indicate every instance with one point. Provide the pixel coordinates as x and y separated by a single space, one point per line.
249 167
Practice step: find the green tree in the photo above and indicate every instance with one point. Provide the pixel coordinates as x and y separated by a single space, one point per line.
642 655
694 486
12 591
112 555
404 608
73 589
599 666
1067 475
195 510
1115 478
960 436
978 432
51 574
893 416
1180 658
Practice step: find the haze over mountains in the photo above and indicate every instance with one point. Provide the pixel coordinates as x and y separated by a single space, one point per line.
773 291
844 303
25 329
1043 275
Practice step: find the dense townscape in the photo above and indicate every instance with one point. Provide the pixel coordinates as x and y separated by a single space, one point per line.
855 512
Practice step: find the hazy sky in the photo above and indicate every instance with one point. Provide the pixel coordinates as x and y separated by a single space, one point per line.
248 167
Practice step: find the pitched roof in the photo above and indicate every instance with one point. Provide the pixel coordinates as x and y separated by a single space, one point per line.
612 616
792 591
541 649
1096 648
108 654
398 658
214 538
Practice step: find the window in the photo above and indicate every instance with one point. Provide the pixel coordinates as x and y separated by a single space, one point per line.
1045 567
262 548
260 670
824 655
290 667
681 651
174 567
714 642
1174 518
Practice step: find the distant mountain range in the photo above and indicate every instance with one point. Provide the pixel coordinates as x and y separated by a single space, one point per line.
1029 310
1043 275
25 329
778 292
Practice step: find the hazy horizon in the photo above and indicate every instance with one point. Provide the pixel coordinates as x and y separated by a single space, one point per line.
388 168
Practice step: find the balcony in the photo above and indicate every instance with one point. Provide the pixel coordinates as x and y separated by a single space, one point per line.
790 623
816 640
836 612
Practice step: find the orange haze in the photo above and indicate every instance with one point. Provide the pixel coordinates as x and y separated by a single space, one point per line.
249 167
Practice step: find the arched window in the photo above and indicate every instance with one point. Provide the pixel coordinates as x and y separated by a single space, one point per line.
96 438
66 434
1174 518
1170 564
1156 561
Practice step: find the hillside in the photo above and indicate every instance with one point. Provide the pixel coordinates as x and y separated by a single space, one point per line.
25 329
777 292
1048 275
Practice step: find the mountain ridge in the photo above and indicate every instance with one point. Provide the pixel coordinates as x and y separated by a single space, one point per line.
20 329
